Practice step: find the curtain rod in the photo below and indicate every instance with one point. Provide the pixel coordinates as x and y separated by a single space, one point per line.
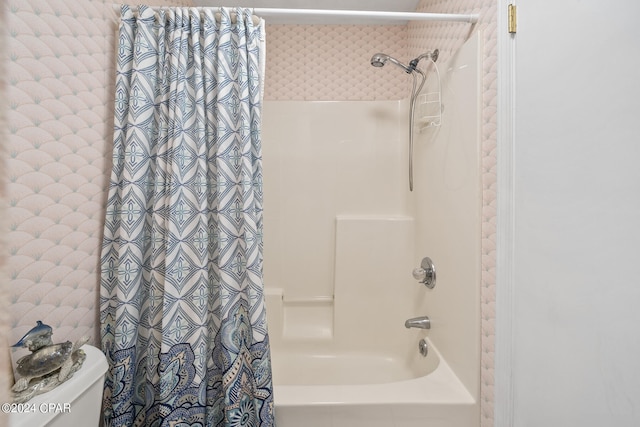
365 14
401 16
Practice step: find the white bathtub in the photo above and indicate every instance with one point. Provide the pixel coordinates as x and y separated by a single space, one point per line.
368 390
347 360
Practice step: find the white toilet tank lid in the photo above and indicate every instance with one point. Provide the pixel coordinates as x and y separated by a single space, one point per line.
92 370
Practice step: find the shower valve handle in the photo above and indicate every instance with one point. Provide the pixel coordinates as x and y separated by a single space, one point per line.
426 273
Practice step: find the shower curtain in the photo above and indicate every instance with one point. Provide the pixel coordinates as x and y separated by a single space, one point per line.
182 308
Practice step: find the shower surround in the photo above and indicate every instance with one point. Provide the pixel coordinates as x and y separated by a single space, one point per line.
342 235
59 75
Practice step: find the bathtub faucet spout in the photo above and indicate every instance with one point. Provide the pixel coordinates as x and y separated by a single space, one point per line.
422 322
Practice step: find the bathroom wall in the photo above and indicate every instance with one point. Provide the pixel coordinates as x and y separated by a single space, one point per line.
448 37
5 370
59 74
332 62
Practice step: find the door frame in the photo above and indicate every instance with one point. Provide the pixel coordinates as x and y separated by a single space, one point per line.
505 216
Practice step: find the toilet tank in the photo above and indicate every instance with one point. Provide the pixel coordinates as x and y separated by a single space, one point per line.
76 402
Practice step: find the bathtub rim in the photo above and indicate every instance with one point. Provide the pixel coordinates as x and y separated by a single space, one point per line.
441 386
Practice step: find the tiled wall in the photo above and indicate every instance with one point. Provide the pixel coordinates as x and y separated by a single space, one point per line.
448 37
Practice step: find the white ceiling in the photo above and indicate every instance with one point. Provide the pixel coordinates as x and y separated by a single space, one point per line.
376 5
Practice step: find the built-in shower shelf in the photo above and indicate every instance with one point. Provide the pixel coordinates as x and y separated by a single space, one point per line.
300 317
321 299
307 318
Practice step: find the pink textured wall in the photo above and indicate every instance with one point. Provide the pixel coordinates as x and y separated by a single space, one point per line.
332 62
4 298
448 37
59 75
57 139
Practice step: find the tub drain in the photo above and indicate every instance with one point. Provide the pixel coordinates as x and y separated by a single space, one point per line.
423 348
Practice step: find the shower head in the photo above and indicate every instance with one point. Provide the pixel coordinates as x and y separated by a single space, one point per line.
379 59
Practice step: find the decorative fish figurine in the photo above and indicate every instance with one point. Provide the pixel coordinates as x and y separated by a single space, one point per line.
38 337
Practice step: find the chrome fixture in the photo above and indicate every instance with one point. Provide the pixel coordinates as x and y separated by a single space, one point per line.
379 60
426 273
422 322
432 56
423 348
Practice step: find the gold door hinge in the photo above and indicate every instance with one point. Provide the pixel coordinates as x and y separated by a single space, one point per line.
512 18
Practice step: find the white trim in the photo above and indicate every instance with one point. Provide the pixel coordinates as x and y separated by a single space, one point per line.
506 79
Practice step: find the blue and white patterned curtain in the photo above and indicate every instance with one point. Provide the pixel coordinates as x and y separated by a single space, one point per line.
182 305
